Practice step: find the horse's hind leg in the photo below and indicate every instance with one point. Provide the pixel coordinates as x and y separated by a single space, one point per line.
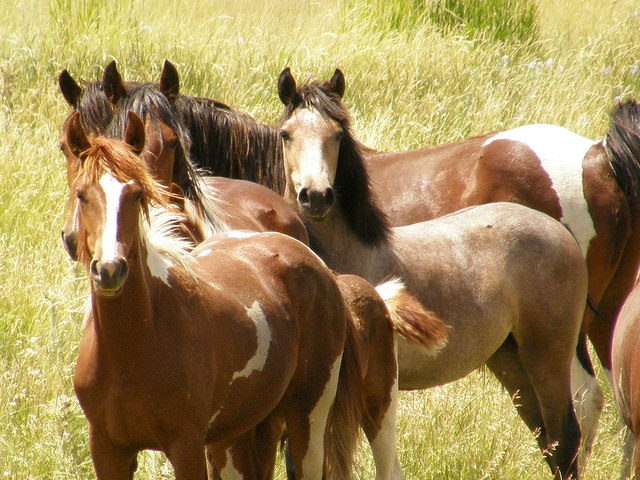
508 369
381 385
588 399
548 365
306 417
628 447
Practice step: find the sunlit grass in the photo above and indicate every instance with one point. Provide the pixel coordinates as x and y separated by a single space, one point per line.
410 83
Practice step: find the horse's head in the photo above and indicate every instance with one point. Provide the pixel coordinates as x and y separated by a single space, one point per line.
112 187
323 162
311 129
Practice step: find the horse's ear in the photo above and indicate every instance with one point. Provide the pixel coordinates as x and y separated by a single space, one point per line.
70 89
134 133
76 138
286 86
112 83
169 81
337 83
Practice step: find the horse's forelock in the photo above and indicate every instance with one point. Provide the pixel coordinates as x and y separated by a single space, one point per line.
116 158
96 112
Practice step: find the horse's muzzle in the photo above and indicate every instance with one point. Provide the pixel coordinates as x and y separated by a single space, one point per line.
108 277
70 243
316 203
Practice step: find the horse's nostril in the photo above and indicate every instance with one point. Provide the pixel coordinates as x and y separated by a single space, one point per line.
329 197
303 196
93 270
70 245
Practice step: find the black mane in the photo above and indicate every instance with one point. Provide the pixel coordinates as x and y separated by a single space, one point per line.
623 145
351 184
232 144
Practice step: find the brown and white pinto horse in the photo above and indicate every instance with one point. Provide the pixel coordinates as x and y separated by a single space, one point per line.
165 287
625 363
510 281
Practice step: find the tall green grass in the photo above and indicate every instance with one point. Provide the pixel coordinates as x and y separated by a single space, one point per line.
410 83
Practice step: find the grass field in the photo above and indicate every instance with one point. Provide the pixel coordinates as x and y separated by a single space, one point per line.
415 76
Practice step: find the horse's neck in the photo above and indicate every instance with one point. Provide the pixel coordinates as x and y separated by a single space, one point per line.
336 243
122 321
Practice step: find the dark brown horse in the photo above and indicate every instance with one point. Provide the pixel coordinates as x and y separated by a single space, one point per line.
625 362
510 281
590 186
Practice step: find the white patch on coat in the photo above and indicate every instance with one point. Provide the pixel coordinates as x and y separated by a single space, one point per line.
384 446
561 153
205 252
240 234
229 471
263 338
313 458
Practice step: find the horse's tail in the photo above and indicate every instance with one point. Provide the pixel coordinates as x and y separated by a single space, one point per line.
409 317
348 411
623 146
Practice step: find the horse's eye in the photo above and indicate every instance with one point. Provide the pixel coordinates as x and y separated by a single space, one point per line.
138 195
284 135
80 196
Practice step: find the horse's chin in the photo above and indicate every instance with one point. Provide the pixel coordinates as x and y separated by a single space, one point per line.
110 292
316 215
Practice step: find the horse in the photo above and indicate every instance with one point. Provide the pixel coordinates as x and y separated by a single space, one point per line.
625 362
214 204
590 186
166 282
510 281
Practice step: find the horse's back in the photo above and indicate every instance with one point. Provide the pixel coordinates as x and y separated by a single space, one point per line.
255 207
276 267
499 249
625 357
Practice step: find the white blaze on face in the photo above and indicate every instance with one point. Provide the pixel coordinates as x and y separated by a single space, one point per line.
311 153
112 191
263 340
561 153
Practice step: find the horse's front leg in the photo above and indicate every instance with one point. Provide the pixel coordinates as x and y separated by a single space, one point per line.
111 462
188 459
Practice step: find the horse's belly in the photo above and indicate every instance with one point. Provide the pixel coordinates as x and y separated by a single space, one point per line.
419 369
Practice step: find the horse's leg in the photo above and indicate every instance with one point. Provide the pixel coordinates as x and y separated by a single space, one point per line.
628 445
588 399
508 369
379 425
636 458
548 365
109 461
307 424
237 462
212 472
187 456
